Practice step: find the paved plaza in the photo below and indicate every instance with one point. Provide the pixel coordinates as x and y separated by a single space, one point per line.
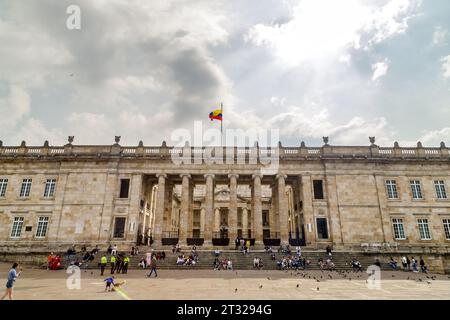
240 285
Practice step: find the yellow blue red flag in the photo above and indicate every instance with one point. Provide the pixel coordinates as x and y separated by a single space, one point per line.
216 115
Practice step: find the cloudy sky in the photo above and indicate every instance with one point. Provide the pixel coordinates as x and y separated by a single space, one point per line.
144 68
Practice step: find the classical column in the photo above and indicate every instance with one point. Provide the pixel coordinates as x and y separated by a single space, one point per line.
159 211
216 220
184 207
282 208
168 206
202 221
244 222
232 212
209 207
273 215
308 212
257 208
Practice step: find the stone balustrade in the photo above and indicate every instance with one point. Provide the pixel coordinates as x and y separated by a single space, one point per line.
288 153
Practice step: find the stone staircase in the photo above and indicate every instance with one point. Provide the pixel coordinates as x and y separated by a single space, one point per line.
245 262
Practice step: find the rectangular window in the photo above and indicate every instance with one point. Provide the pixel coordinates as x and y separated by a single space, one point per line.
446 223
416 189
16 230
119 227
3 186
391 187
318 189
424 230
322 230
440 189
399 230
124 188
42 227
26 188
50 186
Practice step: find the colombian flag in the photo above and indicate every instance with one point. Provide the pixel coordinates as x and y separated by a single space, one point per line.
216 115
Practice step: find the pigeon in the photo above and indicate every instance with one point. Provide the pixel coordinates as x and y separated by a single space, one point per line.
429 282
298 285
268 278
235 290
317 280
317 288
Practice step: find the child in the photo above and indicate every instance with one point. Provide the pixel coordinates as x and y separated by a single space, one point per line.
109 281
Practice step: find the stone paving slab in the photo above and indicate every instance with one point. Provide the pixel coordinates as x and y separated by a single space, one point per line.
214 285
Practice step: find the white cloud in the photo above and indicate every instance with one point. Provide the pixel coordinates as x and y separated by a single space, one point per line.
440 36
380 69
433 138
446 66
14 107
321 29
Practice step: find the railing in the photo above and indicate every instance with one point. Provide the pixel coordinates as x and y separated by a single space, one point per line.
288 153
170 234
220 235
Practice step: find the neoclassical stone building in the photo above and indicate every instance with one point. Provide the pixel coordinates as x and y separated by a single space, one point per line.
359 197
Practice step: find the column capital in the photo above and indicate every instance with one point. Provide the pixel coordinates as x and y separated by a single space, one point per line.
161 175
281 175
231 175
188 175
209 175
257 175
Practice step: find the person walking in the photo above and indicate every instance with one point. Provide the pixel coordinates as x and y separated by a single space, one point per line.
12 276
152 267
423 267
103 262
113 264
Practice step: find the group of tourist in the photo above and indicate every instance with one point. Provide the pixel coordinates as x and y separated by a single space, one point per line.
176 249
328 264
356 265
187 260
293 262
54 262
225 264
257 263
409 264
112 250
242 244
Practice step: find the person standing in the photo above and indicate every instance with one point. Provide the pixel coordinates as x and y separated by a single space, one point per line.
404 263
113 264
408 263
103 262
126 262
12 276
152 267
329 250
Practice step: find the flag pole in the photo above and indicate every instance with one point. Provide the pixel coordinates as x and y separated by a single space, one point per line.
221 124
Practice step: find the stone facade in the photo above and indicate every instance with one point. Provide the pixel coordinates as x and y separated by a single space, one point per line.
353 198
